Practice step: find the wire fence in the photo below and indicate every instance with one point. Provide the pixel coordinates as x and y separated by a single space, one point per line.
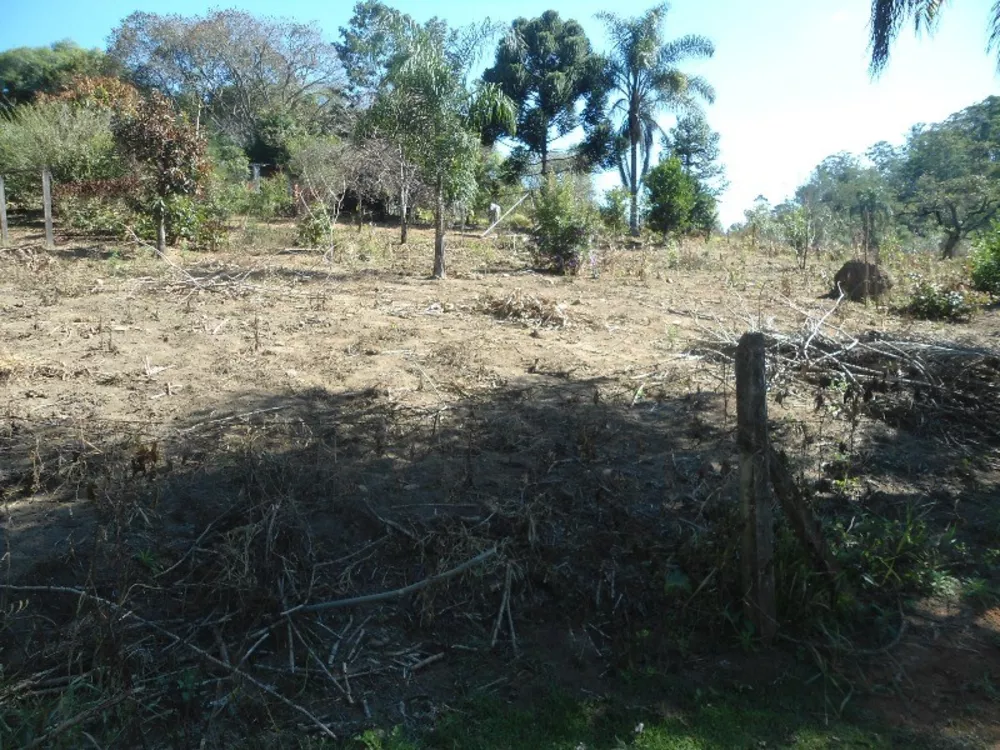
46 179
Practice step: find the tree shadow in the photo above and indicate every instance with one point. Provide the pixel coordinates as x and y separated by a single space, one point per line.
613 516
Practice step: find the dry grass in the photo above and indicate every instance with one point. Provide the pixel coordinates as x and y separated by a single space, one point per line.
192 449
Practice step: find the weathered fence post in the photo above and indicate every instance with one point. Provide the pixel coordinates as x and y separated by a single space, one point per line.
755 485
47 200
3 214
256 177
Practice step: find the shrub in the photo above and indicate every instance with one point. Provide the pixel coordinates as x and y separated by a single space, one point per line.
614 210
984 265
315 228
951 302
271 201
563 225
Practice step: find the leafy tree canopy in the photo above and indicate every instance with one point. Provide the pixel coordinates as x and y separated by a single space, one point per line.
260 81
26 72
547 66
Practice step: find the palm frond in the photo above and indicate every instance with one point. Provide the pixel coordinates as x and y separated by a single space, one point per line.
888 17
691 46
994 43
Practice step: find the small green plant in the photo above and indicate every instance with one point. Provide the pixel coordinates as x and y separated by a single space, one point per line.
563 227
951 302
614 210
984 263
315 228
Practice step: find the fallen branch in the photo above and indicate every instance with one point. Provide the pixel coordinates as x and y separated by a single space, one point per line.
396 593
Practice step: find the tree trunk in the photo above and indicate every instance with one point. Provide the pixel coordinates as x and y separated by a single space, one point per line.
545 159
404 218
950 244
161 229
439 212
634 187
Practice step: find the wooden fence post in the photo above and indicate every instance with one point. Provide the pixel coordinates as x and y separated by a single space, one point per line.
3 214
755 485
47 200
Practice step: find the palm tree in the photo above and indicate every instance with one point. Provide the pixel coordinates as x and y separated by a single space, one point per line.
426 106
643 78
888 17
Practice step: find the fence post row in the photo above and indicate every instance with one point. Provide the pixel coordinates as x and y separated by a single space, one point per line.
47 199
3 214
755 485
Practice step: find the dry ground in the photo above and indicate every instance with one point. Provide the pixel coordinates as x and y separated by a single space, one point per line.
211 440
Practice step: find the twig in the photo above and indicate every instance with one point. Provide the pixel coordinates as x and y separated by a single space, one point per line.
81 717
396 593
126 613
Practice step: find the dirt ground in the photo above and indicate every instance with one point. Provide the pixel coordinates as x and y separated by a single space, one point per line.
212 440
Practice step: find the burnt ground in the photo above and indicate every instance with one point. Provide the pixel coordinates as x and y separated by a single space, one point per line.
209 441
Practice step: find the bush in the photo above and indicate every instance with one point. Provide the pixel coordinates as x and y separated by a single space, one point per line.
272 201
315 228
984 265
951 302
614 210
563 225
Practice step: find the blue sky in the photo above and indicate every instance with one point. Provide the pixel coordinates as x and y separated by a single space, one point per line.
791 76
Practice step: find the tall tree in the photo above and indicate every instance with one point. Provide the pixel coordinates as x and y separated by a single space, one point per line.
375 37
547 67
644 78
696 145
26 72
889 16
426 105
949 177
261 81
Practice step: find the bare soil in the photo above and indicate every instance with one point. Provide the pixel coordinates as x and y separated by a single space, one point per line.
211 440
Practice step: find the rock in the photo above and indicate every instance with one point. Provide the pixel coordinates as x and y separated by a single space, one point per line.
860 281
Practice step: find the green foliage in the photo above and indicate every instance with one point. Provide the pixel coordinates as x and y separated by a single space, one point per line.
271 201
614 210
26 72
694 142
892 555
951 302
984 265
672 197
315 228
643 78
168 156
564 224
426 109
74 142
262 81
547 67
97 215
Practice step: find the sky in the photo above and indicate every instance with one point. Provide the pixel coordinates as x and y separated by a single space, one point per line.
791 77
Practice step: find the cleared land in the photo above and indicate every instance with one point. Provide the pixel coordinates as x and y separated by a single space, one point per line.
208 442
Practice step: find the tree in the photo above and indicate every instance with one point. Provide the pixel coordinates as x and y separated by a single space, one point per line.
26 72
889 16
261 81
547 67
168 154
949 177
643 77
694 142
425 105
672 196
375 37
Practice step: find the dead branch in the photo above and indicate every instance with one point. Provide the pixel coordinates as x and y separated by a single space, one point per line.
395 594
